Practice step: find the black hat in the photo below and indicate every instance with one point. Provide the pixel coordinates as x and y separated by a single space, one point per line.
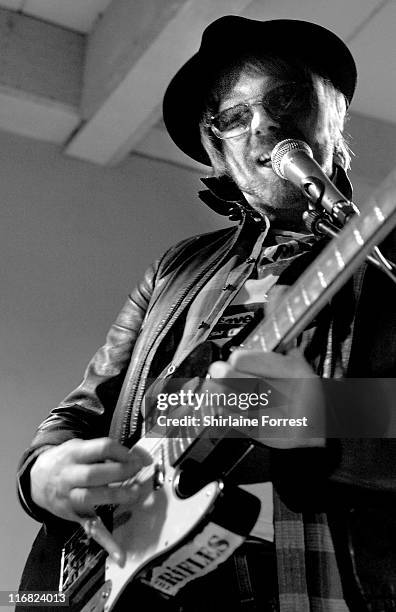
231 37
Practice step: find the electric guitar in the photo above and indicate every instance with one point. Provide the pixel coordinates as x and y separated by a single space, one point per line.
188 520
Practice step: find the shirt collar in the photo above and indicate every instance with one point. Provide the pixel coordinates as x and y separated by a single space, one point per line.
224 197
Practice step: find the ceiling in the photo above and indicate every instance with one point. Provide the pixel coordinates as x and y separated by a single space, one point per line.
89 75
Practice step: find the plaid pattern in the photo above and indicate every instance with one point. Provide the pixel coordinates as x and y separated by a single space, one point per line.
308 575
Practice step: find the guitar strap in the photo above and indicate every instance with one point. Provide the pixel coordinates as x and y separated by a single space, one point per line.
246 597
254 566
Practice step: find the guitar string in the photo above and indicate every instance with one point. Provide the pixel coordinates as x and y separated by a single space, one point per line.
148 469
146 472
81 548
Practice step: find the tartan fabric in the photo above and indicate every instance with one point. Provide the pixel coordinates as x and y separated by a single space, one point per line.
308 576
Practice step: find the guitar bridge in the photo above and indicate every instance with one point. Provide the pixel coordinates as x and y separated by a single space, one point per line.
82 567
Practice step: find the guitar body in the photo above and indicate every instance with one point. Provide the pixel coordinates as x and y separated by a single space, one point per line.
171 536
164 522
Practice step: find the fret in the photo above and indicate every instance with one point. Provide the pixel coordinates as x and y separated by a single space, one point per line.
339 259
290 312
379 214
316 285
276 328
257 341
371 221
263 344
358 237
329 271
283 321
305 296
322 279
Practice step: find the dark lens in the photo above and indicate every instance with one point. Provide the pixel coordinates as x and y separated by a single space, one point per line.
233 119
287 99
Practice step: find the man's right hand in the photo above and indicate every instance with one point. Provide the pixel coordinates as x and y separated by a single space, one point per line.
71 479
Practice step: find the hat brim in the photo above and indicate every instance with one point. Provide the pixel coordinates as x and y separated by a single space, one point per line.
231 37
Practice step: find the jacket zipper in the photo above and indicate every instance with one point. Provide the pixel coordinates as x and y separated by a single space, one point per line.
165 324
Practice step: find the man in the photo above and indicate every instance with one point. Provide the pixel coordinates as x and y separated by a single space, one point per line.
251 85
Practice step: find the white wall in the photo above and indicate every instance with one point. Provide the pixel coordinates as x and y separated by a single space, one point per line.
74 239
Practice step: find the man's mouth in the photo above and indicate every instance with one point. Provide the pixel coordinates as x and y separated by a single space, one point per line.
264 160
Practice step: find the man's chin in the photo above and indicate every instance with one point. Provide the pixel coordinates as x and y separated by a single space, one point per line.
294 223
283 219
287 217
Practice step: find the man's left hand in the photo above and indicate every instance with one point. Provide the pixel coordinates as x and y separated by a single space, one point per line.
291 374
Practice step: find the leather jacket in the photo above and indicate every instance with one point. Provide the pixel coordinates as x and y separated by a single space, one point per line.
142 341
141 345
110 393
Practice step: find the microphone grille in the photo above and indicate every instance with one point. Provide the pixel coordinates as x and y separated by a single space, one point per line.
283 147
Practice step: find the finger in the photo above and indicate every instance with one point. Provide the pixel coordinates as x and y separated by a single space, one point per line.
222 369
102 449
84 500
95 529
97 474
95 450
137 453
256 362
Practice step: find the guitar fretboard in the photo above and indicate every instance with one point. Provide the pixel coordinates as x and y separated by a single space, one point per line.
320 281
330 270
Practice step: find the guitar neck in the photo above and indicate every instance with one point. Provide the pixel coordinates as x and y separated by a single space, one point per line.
314 288
324 277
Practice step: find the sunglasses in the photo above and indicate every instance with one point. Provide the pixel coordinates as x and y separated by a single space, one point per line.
283 101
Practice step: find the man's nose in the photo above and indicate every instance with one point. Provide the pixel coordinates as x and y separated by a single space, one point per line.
261 122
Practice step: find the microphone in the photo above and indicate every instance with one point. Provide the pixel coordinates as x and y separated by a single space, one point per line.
293 160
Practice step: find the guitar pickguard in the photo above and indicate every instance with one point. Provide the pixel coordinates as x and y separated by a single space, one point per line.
171 540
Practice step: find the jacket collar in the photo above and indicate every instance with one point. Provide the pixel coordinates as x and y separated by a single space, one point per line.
225 198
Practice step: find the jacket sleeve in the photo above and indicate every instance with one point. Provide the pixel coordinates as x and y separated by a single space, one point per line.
87 411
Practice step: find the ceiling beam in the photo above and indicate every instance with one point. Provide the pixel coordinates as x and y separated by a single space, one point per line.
40 77
145 42
158 145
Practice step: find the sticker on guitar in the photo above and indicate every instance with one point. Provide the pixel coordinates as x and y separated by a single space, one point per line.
195 559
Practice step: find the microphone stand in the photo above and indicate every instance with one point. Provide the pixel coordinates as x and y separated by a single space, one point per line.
319 224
